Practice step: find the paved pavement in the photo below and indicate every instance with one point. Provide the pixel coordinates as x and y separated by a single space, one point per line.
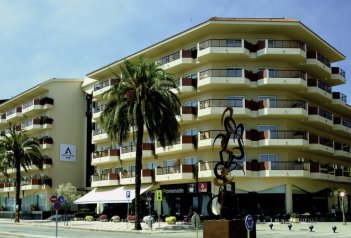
320 229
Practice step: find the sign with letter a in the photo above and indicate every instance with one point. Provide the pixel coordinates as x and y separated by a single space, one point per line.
68 152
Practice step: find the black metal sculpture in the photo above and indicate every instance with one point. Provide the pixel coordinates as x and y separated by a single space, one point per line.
227 199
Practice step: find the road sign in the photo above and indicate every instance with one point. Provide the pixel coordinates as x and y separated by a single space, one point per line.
128 194
249 222
158 195
53 199
57 205
342 194
61 199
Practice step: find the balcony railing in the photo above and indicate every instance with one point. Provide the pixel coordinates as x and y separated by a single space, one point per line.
221 103
184 168
31 103
189 82
319 84
321 112
337 70
286 44
13 111
319 57
270 134
341 146
338 95
107 176
105 84
221 43
289 165
221 73
132 148
211 134
314 139
99 108
282 104
104 153
287 74
342 121
170 58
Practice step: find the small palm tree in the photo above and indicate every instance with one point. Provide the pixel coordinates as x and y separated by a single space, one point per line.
19 150
142 97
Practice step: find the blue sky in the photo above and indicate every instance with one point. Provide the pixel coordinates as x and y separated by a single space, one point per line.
42 39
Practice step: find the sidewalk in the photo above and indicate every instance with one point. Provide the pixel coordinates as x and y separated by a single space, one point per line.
108 226
320 229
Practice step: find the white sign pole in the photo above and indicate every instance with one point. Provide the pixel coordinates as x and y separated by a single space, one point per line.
56 220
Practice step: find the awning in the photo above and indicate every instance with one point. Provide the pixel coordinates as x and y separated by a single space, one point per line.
123 194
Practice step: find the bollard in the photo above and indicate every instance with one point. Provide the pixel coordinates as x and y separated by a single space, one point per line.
271 225
311 227
334 228
289 226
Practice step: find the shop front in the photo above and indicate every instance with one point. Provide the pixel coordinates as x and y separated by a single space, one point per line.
181 200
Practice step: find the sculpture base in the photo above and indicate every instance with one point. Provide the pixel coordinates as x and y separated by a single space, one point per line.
227 229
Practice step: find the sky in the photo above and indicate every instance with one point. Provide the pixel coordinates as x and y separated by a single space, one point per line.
44 39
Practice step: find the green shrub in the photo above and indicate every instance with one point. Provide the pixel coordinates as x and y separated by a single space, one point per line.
89 218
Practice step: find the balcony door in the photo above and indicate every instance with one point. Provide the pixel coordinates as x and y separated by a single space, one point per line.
272 128
272 100
235 101
273 158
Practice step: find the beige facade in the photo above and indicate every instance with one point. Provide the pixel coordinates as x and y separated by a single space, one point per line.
278 76
54 112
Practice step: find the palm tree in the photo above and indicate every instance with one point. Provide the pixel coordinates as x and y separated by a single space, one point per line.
142 97
19 150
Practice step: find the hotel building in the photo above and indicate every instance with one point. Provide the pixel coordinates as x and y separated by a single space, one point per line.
54 112
278 75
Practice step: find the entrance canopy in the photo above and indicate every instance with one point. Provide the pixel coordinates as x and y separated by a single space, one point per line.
123 194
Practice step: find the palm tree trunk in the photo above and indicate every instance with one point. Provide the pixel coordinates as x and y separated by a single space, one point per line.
138 166
18 189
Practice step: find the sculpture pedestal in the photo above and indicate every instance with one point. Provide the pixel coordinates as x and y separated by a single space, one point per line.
227 229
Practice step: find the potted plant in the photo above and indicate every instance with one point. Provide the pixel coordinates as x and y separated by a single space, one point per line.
171 220
294 217
89 218
103 218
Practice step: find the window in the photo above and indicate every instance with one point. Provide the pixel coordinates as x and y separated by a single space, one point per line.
235 101
191 132
272 128
132 168
151 165
169 163
271 73
118 170
233 43
272 100
191 160
273 158
234 72
270 43
191 104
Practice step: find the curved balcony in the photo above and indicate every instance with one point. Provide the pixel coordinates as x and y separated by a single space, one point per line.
340 103
102 87
291 50
320 144
128 177
289 79
188 114
129 152
223 49
185 143
187 86
15 114
318 64
289 139
213 108
342 150
174 173
342 126
102 180
211 79
99 136
46 143
338 76
179 61
206 169
34 106
318 90
3 120
97 111
105 157
36 184
282 109
320 117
